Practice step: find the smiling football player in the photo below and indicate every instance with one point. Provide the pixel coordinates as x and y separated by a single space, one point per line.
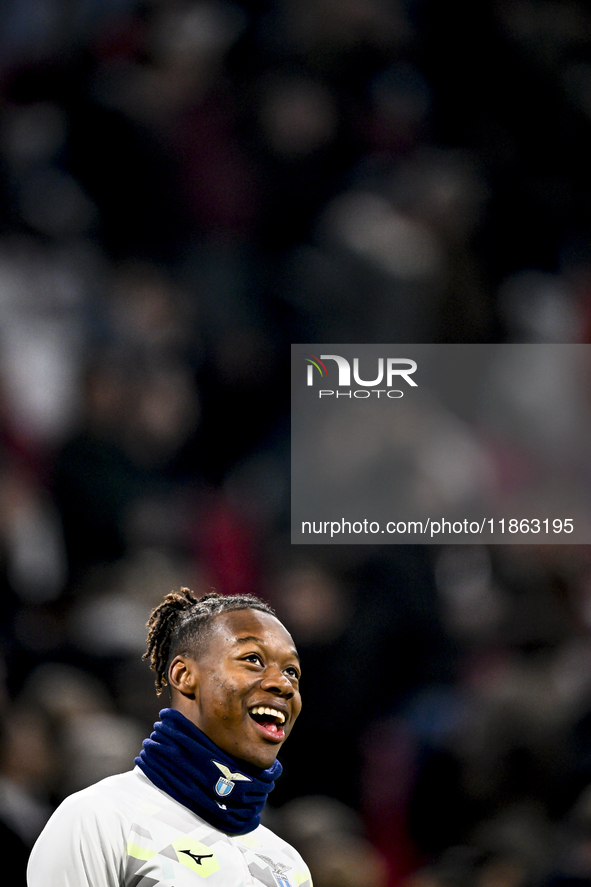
193 802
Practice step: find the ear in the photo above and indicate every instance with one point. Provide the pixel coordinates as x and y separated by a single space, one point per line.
182 676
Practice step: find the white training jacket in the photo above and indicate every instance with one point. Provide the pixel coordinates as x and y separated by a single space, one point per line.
125 832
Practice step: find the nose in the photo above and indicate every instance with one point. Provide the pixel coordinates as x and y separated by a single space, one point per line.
274 681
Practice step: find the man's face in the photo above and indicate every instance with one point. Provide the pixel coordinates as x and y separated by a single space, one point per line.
246 695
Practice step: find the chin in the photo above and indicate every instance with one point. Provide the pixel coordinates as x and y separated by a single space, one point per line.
262 760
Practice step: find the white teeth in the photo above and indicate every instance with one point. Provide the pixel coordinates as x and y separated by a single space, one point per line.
264 710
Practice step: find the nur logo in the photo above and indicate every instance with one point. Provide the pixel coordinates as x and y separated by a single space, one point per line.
389 370
225 784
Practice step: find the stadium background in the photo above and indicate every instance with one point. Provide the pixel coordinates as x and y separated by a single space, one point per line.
186 188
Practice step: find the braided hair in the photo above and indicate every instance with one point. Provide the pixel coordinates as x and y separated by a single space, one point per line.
181 620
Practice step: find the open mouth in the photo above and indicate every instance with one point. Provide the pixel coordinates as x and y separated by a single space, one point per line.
270 720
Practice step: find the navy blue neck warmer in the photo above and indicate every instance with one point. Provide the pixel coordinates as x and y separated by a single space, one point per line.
179 759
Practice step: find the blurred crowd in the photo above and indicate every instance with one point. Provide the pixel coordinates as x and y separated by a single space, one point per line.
187 187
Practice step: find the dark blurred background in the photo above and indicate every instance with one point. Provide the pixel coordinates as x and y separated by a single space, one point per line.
186 188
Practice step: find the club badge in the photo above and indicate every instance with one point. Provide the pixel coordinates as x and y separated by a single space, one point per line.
225 784
279 871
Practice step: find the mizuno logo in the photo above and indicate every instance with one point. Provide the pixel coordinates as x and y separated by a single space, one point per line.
196 857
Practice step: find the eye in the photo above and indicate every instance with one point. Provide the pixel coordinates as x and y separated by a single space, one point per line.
292 672
253 657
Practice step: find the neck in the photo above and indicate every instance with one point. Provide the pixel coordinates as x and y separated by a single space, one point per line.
182 761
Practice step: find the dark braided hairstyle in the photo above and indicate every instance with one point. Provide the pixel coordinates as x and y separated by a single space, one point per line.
180 621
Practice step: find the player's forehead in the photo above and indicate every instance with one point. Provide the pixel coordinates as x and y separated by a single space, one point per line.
239 628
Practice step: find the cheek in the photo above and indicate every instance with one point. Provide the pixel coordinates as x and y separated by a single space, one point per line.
297 705
223 700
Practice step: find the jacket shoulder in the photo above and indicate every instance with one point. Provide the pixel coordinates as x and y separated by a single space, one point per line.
267 849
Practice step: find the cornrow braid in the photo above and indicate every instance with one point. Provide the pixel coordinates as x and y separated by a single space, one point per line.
180 621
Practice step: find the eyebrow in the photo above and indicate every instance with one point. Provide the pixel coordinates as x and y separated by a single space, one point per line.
252 639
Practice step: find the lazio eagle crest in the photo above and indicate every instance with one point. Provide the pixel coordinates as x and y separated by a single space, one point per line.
278 869
225 783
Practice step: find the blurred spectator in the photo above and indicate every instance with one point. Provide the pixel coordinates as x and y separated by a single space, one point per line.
331 837
28 772
93 738
137 419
